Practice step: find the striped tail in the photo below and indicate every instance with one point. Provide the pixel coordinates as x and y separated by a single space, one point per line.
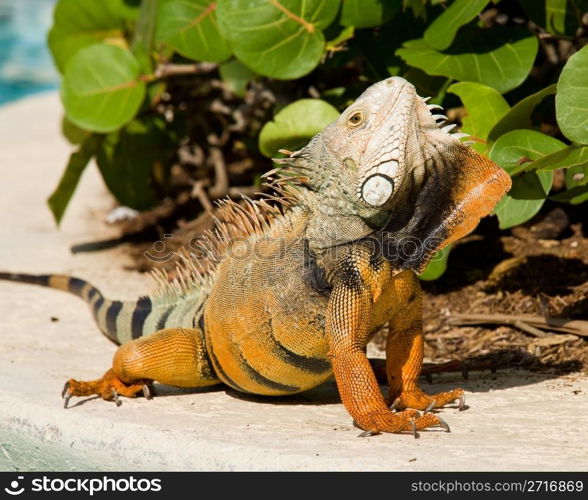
111 316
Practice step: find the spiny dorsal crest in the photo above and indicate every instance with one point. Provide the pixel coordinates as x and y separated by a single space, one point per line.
195 268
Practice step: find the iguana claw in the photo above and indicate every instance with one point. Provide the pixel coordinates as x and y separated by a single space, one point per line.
148 391
443 424
66 395
395 403
430 407
115 397
414 429
461 405
367 434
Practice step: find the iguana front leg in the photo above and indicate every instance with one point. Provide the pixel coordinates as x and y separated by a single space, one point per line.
349 315
404 359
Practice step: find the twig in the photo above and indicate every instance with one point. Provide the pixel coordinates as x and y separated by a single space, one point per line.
199 192
169 69
563 325
221 177
531 330
551 36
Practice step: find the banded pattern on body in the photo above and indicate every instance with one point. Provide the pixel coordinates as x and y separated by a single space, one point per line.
265 329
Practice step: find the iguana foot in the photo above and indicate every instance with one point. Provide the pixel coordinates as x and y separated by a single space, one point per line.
418 400
109 388
405 421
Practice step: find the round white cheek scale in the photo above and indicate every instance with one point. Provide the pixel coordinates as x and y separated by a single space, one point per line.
377 189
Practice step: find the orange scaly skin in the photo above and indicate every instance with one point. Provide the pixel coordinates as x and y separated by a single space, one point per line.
366 295
291 296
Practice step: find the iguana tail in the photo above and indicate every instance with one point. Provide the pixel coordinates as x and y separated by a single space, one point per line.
119 321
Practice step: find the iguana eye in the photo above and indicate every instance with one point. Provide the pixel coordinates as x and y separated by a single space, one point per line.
355 119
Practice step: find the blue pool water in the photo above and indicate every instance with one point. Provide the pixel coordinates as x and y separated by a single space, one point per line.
25 62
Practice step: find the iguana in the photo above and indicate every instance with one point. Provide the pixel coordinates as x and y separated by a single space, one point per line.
279 297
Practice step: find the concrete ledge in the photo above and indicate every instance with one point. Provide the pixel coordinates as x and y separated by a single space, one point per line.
517 420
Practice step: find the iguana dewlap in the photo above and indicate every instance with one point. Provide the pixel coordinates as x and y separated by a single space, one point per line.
294 293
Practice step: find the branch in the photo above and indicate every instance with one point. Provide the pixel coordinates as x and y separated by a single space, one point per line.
525 322
169 69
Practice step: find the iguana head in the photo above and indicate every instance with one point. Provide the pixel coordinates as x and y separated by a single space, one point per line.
388 162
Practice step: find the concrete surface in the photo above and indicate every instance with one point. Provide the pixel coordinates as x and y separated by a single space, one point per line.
516 420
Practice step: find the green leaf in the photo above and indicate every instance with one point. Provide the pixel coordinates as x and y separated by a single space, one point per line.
190 27
519 115
277 38
516 149
368 13
525 199
564 16
125 9
485 107
577 175
437 265
529 190
344 35
574 196
417 7
74 134
79 23
576 184
442 30
129 158
101 89
294 125
500 57
569 157
236 76
142 45
78 161
571 100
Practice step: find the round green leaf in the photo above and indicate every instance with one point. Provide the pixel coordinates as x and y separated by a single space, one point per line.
571 157
190 28
294 125
101 89
74 134
442 30
562 17
529 189
128 158
79 23
500 57
277 38
520 114
518 147
368 13
437 265
576 184
485 106
236 76
571 100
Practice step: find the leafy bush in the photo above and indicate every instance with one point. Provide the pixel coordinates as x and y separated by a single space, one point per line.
139 79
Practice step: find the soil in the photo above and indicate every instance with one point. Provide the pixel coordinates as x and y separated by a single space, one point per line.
540 269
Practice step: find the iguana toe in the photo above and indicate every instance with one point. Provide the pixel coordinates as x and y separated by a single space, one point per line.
418 400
